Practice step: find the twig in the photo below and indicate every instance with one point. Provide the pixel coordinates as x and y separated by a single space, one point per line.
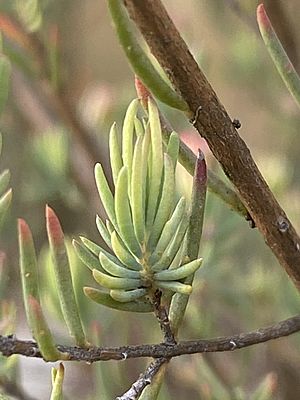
214 124
9 345
147 377
162 316
144 380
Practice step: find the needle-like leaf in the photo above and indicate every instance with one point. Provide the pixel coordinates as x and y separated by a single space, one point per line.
63 277
138 59
278 54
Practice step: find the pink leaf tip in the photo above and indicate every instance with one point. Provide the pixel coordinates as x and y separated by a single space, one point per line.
262 17
54 229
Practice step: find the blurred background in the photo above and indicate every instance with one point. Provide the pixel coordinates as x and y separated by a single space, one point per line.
70 81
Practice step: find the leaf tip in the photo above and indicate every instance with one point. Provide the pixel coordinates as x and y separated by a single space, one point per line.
201 169
24 230
53 226
142 91
262 17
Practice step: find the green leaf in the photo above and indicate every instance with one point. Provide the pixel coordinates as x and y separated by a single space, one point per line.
105 194
63 277
193 237
139 61
156 163
42 333
123 214
31 297
111 282
173 147
180 272
115 269
177 287
127 137
166 203
57 382
125 296
105 299
280 58
105 234
137 192
114 152
88 258
28 266
169 231
172 248
123 253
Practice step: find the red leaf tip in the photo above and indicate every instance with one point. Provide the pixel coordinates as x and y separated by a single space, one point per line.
262 17
54 229
142 91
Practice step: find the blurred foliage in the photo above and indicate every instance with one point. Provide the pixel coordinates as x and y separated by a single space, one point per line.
67 66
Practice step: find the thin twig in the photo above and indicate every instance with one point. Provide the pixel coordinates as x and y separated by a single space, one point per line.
154 367
9 345
161 314
144 380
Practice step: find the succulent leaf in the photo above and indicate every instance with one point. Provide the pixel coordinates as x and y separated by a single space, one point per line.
156 163
114 152
123 213
63 277
57 382
127 295
166 203
123 254
112 282
173 147
180 272
105 194
145 229
137 194
105 299
115 269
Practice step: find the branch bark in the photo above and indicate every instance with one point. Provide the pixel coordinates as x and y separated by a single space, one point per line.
213 123
9 345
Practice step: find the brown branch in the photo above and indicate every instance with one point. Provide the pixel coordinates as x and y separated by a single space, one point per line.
154 367
144 380
9 345
214 124
162 316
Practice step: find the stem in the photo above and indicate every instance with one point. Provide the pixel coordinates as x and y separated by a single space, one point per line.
213 123
9 345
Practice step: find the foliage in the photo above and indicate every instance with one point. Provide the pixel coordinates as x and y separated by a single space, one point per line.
151 213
